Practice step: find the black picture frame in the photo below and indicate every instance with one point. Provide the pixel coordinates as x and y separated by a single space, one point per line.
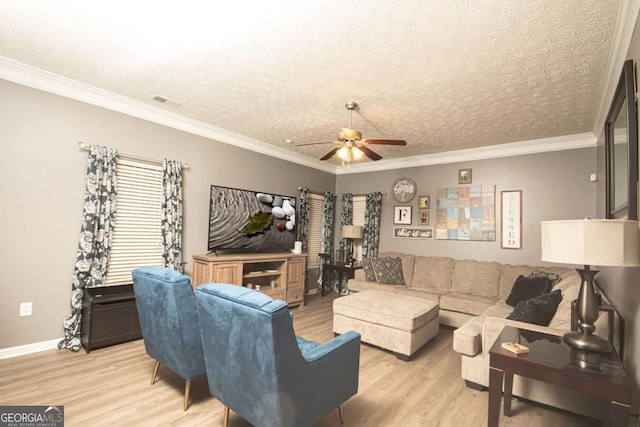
623 108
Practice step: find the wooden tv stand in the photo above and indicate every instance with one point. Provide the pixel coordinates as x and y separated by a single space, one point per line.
285 270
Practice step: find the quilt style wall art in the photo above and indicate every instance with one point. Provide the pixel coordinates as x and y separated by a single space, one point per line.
466 213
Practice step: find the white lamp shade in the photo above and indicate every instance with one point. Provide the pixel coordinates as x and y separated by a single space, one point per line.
599 242
352 231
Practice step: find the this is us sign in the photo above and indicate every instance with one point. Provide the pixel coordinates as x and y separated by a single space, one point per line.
413 233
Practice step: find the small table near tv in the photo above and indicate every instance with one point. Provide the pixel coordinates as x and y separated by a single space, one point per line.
549 360
336 274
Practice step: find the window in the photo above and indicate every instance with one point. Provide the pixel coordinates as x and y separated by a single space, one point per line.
359 204
137 232
314 230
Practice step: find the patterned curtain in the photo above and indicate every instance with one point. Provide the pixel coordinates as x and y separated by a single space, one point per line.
371 232
346 218
303 218
327 227
303 226
172 214
95 237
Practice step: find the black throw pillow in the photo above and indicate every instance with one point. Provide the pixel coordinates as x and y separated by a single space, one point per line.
526 288
538 310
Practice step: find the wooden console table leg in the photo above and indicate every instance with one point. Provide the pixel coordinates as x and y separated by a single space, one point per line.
508 390
495 395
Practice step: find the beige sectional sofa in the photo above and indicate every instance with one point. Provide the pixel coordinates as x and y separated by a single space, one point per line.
471 295
463 288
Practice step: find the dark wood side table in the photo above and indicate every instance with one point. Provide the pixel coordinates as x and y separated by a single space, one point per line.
549 360
336 274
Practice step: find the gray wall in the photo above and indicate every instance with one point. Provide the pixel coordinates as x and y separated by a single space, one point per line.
554 186
42 173
622 285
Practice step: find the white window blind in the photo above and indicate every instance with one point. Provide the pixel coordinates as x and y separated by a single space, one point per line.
137 233
359 204
314 231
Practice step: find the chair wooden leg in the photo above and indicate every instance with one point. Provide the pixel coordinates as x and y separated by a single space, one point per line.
187 387
226 417
341 413
155 372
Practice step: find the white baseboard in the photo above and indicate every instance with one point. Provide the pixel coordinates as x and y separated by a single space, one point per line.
21 350
312 291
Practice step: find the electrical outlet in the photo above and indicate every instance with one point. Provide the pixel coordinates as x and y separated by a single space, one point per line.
25 308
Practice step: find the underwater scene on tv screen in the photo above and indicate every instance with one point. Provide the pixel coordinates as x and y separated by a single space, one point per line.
249 220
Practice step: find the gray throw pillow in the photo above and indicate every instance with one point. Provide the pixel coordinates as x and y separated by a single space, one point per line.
553 278
369 274
388 271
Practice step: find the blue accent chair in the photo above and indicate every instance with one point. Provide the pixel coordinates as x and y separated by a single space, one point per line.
169 322
257 367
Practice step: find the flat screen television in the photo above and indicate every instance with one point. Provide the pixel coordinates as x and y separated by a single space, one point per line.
250 221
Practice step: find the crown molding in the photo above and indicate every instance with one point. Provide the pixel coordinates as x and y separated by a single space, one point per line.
568 142
625 24
39 79
43 80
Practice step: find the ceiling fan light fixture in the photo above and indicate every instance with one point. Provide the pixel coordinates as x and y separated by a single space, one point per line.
348 134
344 154
357 153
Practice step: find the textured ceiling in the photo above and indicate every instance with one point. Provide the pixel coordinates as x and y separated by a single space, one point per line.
443 75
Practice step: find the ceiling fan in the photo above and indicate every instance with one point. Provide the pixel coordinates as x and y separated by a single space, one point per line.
351 146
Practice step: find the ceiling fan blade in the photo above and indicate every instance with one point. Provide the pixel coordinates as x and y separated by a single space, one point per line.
315 143
330 153
385 141
370 153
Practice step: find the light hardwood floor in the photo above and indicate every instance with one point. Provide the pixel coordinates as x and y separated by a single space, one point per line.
110 386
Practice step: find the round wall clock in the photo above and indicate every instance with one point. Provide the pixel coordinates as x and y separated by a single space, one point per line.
403 190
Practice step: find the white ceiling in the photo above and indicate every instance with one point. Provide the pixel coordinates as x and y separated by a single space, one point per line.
443 75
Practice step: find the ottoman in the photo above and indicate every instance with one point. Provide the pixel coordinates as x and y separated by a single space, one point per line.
394 322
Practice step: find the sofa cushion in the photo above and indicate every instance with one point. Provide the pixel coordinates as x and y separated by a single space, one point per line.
430 294
364 285
388 270
367 268
479 278
511 272
432 272
538 310
408 261
464 303
569 286
526 288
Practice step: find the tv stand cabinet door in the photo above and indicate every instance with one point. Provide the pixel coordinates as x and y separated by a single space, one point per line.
295 280
230 273
220 272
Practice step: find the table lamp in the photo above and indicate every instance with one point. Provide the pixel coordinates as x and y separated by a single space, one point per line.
350 232
600 242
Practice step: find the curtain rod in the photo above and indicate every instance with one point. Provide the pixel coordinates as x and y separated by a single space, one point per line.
84 146
384 193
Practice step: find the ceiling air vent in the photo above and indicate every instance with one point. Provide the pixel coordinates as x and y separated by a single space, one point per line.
165 101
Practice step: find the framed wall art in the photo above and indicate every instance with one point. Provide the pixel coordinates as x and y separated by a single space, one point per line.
423 218
402 215
424 203
403 190
466 213
464 176
412 233
511 218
